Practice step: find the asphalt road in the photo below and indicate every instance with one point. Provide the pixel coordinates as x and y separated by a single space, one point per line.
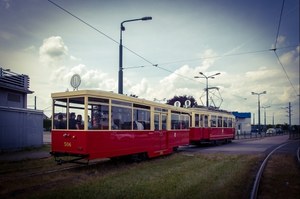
246 146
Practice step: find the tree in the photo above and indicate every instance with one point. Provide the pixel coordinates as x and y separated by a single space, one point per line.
182 100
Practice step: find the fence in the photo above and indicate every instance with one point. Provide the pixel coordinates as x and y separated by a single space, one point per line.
249 135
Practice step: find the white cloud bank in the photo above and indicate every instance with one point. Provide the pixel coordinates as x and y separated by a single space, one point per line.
53 50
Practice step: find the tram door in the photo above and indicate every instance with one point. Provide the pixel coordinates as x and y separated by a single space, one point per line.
161 128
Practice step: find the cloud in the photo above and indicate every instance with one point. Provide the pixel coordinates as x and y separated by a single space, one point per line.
6 35
5 4
290 57
90 78
209 59
53 50
141 88
279 42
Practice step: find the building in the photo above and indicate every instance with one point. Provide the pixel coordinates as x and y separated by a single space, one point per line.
243 122
19 127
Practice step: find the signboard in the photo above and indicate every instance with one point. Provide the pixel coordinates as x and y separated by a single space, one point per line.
75 81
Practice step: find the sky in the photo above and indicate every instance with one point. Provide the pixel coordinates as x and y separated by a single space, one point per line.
232 37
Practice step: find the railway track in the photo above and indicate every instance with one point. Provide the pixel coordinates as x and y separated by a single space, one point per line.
256 185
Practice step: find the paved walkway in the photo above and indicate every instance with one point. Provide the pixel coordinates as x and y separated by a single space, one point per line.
25 155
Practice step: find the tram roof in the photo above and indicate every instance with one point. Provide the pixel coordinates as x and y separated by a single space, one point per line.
204 109
115 96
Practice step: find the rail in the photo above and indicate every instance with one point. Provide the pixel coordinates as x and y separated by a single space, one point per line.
261 169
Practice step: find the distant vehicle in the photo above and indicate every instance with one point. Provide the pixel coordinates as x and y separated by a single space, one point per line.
278 131
271 131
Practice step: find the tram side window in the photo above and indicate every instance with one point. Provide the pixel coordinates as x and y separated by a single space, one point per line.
141 119
122 117
185 122
229 122
225 122
76 113
197 119
213 121
175 122
98 113
100 117
220 121
164 121
205 121
156 122
60 116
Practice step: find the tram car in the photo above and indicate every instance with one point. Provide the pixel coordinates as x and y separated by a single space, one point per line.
211 126
92 124
97 124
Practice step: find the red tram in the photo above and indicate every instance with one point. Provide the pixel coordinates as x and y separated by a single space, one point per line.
211 126
91 124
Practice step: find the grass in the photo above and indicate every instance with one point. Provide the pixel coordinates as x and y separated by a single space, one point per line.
281 178
176 176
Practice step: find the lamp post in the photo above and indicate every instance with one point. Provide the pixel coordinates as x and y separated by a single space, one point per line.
258 102
207 77
122 28
265 115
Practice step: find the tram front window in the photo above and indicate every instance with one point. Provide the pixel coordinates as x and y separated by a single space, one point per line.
71 119
60 116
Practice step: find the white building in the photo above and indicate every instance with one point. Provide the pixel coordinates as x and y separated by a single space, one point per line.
243 122
19 127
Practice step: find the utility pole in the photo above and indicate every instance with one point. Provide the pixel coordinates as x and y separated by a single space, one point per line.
290 116
34 102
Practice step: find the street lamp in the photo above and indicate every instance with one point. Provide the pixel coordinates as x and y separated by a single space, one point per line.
265 115
258 102
207 77
122 28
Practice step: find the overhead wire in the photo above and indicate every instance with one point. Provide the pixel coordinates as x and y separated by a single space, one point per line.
279 23
211 57
275 47
101 32
86 23
187 60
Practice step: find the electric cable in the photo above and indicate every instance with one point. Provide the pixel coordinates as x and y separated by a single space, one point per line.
275 47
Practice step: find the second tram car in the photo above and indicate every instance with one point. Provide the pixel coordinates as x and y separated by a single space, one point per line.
90 124
211 126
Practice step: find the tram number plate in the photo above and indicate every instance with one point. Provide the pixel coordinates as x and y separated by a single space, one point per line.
67 144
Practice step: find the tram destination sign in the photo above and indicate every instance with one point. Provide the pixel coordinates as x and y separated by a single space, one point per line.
75 81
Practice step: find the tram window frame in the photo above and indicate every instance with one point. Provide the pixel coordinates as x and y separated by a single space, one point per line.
202 121
225 122
213 121
121 103
141 118
220 121
76 106
164 121
162 110
197 120
121 113
156 121
59 104
98 111
175 121
230 122
184 121
205 121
